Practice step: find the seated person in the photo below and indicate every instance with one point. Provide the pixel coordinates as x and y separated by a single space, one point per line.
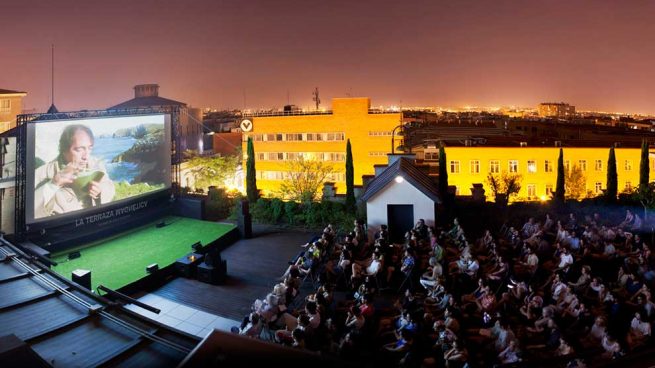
369 267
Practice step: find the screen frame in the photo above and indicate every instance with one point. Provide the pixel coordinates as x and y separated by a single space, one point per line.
30 169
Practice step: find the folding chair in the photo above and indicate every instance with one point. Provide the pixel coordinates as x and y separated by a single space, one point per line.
408 278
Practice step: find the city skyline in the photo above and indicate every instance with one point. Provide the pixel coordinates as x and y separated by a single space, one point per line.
595 55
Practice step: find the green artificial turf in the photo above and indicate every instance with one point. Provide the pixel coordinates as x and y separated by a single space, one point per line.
122 259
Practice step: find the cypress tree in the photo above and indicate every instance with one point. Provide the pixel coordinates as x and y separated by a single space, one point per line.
443 172
350 179
559 188
251 174
644 169
612 177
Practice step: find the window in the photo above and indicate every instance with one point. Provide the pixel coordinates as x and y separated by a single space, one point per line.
652 164
532 166
628 165
5 105
583 165
454 167
494 166
598 166
567 165
377 153
475 166
513 166
379 133
628 186
598 188
292 137
548 166
431 156
532 191
549 189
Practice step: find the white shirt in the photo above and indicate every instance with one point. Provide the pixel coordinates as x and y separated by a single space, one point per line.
565 260
640 328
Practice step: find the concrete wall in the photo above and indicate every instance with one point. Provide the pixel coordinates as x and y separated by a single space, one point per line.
369 134
627 164
398 193
8 117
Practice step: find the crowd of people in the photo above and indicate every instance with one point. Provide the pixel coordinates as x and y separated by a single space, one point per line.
567 291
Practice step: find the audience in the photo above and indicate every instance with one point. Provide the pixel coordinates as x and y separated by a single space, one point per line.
553 290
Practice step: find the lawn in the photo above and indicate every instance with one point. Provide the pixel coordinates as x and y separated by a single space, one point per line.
122 259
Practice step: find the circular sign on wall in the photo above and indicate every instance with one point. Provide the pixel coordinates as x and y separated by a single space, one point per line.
246 125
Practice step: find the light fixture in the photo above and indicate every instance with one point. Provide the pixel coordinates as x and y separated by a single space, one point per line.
399 179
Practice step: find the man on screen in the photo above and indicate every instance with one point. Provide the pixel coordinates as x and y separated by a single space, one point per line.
74 180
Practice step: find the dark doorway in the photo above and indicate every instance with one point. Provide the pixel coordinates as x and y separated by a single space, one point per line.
400 219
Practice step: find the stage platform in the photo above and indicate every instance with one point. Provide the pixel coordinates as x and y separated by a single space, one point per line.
253 268
122 259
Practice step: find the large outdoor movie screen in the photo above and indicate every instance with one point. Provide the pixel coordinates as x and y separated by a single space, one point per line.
75 166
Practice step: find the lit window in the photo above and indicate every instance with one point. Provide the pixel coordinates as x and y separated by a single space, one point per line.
598 188
598 166
549 189
475 167
548 166
628 165
532 191
532 166
431 156
513 166
628 186
5 105
583 165
454 167
494 166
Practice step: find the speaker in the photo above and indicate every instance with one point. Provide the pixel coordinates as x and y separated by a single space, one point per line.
74 255
152 268
83 278
212 274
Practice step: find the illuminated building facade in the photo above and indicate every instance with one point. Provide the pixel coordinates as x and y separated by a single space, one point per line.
11 104
556 110
282 137
537 167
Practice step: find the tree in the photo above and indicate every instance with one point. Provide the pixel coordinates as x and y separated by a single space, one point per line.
576 183
504 186
560 187
612 177
304 179
644 169
646 197
251 174
350 179
443 172
212 171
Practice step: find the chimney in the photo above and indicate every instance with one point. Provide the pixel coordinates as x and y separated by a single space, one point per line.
146 90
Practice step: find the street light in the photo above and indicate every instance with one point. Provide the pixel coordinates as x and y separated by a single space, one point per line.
393 137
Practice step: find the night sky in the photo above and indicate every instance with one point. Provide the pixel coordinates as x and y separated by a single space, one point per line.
596 55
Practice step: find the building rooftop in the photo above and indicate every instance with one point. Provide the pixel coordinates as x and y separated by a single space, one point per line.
69 327
10 92
405 168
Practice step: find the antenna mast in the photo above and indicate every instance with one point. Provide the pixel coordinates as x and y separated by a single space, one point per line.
52 74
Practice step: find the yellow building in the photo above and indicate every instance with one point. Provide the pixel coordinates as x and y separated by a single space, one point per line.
279 138
537 167
11 104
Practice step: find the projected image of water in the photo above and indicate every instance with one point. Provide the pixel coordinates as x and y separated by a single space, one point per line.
106 149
